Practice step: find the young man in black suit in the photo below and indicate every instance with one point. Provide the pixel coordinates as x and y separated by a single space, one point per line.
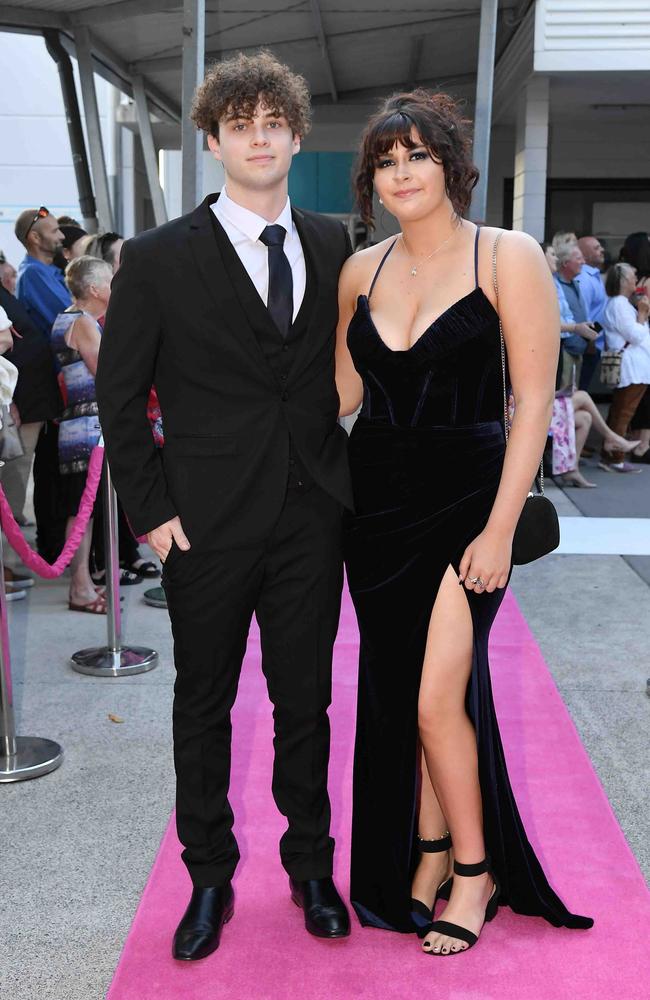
231 311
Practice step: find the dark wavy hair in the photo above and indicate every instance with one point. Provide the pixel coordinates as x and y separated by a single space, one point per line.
636 251
441 128
234 86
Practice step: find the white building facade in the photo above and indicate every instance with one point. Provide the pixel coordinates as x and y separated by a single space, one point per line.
571 123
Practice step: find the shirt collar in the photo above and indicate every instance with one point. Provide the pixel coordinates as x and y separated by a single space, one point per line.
249 223
29 261
51 270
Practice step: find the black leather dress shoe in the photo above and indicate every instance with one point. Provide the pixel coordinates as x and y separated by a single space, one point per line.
325 913
199 932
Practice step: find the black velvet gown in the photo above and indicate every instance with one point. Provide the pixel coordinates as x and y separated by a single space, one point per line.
426 454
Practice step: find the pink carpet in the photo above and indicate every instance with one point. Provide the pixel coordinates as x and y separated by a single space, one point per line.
266 954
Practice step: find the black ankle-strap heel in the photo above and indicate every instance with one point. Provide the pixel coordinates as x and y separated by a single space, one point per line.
455 930
420 912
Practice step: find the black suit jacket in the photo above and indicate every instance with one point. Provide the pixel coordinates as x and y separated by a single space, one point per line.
185 320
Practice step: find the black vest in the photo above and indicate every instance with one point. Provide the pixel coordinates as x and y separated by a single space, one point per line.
278 351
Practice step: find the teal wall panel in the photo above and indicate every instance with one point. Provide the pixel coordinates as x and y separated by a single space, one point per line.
334 191
320 182
303 181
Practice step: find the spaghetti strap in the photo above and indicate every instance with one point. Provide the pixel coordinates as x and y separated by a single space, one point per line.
381 264
478 230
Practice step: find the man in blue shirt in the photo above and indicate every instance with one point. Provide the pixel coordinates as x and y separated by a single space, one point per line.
41 287
595 298
569 265
43 293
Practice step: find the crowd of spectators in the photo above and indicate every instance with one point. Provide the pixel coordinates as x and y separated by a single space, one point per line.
55 302
602 309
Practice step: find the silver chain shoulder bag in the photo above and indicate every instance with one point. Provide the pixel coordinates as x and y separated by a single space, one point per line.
538 529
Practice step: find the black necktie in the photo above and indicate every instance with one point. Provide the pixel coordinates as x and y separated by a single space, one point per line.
280 302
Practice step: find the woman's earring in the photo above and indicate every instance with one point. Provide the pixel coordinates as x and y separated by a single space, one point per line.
380 202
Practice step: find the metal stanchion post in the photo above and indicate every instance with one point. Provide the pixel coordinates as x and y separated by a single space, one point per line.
21 757
113 660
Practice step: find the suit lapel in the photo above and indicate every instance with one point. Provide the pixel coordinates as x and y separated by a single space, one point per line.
316 257
224 282
250 301
251 304
236 299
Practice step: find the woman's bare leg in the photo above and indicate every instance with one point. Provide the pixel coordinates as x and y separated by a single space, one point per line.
582 420
644 441
435 867
582 402
449 744
82 588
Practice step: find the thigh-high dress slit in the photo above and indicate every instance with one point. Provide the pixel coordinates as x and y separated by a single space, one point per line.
426 455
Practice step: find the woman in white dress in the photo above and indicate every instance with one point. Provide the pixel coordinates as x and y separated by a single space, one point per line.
626 330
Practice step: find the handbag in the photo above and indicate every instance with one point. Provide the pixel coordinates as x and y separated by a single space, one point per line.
610 367
11 445
538 528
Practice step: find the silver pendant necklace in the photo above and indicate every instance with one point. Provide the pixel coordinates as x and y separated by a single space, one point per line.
414 265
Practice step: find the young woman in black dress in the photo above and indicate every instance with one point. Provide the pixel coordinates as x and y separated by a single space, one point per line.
437 499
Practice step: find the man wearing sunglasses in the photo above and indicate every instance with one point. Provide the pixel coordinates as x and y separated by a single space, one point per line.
41 287
42 292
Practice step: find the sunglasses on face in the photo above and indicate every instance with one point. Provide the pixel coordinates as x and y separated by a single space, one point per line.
42 213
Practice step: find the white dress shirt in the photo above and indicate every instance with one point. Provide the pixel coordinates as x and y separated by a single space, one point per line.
621 325
244 229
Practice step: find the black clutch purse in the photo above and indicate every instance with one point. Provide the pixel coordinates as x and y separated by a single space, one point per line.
538 529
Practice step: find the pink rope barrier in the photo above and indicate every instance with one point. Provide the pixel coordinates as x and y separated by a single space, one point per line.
18 543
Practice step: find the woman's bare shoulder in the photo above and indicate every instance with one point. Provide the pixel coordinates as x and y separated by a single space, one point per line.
83 321
84 326
512 241
359 268
519 256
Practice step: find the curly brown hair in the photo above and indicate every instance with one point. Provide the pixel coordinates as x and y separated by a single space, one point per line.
233 88
441 128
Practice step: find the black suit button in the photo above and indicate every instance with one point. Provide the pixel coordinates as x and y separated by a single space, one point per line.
283 378
285 347
292 461
284 397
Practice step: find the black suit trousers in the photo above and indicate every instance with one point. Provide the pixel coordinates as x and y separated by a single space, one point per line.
292 583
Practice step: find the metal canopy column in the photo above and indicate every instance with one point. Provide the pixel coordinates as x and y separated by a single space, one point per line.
193 70
75 129
149 151
483 108
89 95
